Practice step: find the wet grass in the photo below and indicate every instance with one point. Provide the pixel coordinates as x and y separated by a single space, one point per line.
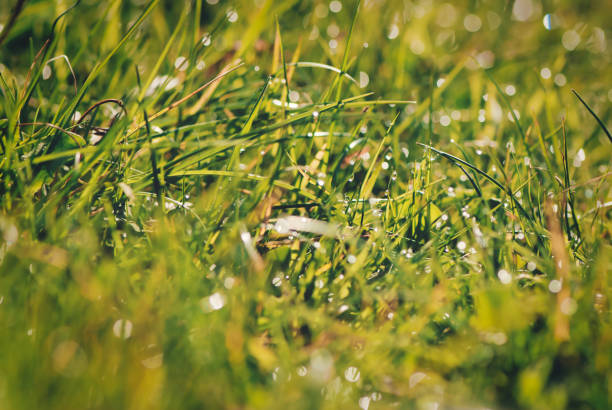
305 205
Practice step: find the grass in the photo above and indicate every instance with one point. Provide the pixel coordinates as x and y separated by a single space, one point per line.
305 205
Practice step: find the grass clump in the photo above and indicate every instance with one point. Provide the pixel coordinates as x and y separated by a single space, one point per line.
305 204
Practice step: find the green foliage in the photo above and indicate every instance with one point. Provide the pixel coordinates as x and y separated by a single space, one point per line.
305 204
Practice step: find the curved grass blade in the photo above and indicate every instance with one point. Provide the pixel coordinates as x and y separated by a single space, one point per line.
310 64
599 121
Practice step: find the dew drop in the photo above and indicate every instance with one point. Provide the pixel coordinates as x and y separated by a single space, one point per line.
504 276
123 329
560 80
555 286
213 302
472 23
294 96
181 63
570 40
232 16
416 378
364 79
393 32
352 374
206 40
522 9
335 6
229 282
364 402
46 72
549 21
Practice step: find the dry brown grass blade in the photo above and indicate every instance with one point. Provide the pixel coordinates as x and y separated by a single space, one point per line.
29 75
99 103
212 84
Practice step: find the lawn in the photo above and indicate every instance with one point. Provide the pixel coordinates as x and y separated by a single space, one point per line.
293 204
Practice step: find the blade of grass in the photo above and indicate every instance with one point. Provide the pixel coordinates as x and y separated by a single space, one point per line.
599 121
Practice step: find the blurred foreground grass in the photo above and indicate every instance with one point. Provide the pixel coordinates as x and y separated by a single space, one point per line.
289 204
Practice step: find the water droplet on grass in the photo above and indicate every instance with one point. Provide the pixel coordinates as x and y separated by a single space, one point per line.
504 276
335 6
123 328
364 79
486 59
417 46
294 96
364 402
333 30
416 378
393 32
555 286
516 114
206 39
213 302
560 80
494 20
181 63
352 374
549 21
232 16
522 9
570 40
472 23
579 158
229 282
46 72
